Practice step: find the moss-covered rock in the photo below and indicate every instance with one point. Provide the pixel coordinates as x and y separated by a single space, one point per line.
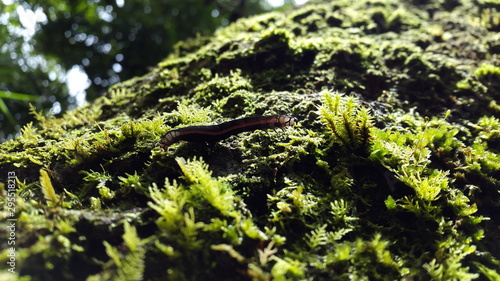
391 173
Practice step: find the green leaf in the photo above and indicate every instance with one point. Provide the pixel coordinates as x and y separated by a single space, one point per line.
5 110
18 96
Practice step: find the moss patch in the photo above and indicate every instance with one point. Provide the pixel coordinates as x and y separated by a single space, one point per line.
392 171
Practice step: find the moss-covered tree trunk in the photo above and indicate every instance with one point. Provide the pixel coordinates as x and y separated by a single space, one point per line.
391 172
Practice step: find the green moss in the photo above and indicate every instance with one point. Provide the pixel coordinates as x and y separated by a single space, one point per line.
124 265
133 182
490 18
489 75
349 122
487 70
47 189
365 186
220 87
98 180
491 274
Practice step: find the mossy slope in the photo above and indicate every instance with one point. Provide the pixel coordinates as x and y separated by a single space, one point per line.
363 188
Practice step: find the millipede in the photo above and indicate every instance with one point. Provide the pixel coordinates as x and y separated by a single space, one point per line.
224 130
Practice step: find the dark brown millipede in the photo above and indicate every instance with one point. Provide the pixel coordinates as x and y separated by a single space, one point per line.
224 130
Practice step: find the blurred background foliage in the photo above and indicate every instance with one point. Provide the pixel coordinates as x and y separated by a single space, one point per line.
57 54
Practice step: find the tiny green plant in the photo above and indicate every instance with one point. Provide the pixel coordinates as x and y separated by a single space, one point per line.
14 96
348 121
126 262
47 189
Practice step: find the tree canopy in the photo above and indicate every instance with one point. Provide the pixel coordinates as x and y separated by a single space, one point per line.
110 41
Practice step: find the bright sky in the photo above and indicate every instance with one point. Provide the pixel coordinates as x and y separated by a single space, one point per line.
76 79
279 3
